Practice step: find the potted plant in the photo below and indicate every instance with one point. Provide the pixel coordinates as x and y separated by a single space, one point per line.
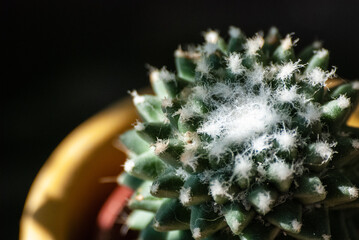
248 140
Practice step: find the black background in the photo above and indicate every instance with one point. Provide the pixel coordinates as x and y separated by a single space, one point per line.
66 60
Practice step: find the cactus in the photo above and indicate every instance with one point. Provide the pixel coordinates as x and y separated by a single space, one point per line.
245 141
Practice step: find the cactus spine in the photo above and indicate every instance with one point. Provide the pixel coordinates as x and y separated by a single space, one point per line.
247 142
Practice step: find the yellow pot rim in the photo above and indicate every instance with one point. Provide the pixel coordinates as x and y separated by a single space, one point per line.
54 205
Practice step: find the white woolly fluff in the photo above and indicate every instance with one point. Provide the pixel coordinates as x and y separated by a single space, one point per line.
185 114
185 195
222 90
280 170
156 224
234 63
200 92
311 113
322 53
139 126
319 188
203 67
162 74
191 140
166 102
355 144
243 166
287 70
137 99
188 111
161 146
324 150
264 202
235 224
353 191
297 226
167 76
188 158
234 32
319 77
129 165
256 75
288 95
343 102
286 139
261 143
253 45
211 36
219 189
154 187
196 233
238 120
287 42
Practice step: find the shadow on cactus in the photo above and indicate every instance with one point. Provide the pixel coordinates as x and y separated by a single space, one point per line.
246 141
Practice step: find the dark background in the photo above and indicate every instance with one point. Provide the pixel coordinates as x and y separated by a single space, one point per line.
66 60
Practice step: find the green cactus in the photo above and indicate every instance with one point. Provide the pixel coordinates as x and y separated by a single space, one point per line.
245 142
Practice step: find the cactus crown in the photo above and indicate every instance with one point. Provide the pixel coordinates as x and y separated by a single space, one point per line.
248 140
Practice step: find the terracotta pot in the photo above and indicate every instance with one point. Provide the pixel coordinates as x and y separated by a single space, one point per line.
66 195
112 216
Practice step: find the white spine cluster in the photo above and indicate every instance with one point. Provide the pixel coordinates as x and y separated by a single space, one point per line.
311 113
297 226
286 95
185 195
137 99
154 188
343 102
166 102
319 77
129 165
324 150
287 42
352 191
243 167
218 188
139 126
161 146
264 202
234 63
280 170
211 36
188 158
253 45
196 234
355 144
287 139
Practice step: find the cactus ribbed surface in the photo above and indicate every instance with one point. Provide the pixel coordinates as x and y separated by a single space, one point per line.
245 141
